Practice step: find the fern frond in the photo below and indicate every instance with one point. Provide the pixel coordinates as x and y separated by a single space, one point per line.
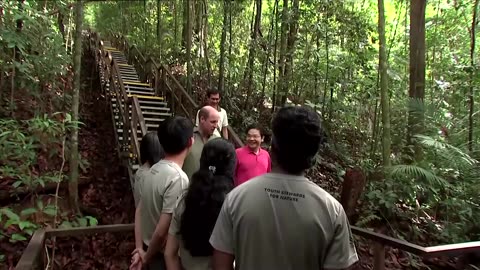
417 173
366 220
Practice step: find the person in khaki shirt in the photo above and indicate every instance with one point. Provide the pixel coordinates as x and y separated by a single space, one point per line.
281 220
205 132
197 210
161 188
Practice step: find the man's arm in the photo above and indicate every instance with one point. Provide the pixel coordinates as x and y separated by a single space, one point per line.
225 126
196 119
172 260
225 133
159 237
222 260
341 253
138 226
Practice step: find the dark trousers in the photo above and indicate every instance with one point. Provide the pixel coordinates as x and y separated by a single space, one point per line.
157 262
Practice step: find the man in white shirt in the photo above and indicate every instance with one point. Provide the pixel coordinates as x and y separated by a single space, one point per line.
213 99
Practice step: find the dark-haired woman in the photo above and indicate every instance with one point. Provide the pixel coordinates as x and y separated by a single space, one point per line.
151 152
197 209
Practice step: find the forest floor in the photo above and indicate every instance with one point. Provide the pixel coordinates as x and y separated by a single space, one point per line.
104 193
108 196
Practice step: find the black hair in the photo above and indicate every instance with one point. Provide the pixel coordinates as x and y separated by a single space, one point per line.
297 135
212 91
151 150
206 193
174 134
257 127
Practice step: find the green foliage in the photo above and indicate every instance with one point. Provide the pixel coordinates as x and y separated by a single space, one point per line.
439 197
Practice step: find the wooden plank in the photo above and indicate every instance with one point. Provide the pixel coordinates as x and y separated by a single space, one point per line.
452 249
145 97
83 231
136 83
124 65
32 255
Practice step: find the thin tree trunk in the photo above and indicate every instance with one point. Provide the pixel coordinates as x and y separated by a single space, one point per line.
292 37
384 98
283 52
327 63
251 54
205 40
189 46
159 28
77 57
417 75
221 76
472 77
275 46
267 55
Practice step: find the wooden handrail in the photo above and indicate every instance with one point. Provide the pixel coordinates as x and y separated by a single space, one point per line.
34 254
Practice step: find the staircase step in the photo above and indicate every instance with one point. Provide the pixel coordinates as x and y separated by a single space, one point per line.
137 87
160 106
120 131
134 92
149 119
149 126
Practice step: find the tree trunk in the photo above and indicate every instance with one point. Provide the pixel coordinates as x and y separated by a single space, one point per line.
205 41
292 37
472 77
221 64
384 97
77 57
267 54
283 52
159 28
416 91
61 25
189 46
251 54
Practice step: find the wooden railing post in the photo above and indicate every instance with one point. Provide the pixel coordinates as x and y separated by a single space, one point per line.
378 256
164 81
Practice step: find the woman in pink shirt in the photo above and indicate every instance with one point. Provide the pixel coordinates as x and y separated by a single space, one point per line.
252 160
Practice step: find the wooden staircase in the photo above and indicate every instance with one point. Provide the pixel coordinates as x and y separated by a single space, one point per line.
146 109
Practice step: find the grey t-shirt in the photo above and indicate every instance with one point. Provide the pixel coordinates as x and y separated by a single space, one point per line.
162 186
138 184
279 221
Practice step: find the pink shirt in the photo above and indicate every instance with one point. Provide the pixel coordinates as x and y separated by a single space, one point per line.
250 165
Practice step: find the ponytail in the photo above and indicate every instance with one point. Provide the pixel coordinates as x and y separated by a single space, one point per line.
203 202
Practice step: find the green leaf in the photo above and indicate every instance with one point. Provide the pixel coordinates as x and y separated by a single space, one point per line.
82 222
40 204
92 221
28 211
50 210
11 215
17 184
66 224
17 237
26 224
